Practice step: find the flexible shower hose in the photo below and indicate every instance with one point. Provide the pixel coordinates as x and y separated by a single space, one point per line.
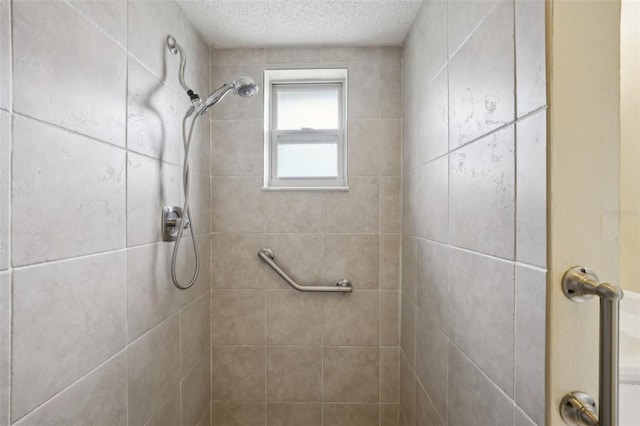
187 220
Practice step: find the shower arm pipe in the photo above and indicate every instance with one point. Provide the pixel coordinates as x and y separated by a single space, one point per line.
342 285
175 48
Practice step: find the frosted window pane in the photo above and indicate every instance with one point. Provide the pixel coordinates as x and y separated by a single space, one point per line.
315 108
305 160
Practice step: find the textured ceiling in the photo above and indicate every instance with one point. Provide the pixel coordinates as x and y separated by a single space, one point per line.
242 23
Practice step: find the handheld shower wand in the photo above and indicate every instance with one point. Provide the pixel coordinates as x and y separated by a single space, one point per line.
175 219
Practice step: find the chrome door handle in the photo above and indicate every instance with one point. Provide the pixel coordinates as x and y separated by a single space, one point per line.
581 284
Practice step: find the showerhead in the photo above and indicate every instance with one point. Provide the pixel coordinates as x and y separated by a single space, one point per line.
243 87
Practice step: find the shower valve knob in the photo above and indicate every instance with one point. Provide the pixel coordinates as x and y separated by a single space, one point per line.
171 220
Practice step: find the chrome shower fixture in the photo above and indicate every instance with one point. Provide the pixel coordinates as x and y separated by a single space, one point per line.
175 219
244 87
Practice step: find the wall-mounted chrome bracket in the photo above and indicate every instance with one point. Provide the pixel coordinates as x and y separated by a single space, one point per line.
171 219
579 409
581 284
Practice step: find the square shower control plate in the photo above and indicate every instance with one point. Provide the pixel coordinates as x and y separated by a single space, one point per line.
171 219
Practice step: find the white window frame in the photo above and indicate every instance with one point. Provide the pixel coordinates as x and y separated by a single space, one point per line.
310 78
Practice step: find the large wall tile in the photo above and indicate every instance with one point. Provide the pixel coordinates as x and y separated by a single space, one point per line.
153 116
284 55
294 414
294 373
426 414
299 211
237 373
521 419
530 341
350 54
389 318
409 202
433 200
153 369
433 282
409 267
407 392
531 190
531 69
237 204
389 374
353 211
482 313
481 77
169 412
151 295
408 330
429 35
237 317
350 414
194 391
100 395
352 256
351 320
5 346
433 120
68 317
236 147
238 413
5 55
200 151
389 414
363 148
149 24
109 16
294 318
389 147
87 91
482 195
473 398
205 420
235 261
363 90
68 171
199 202
464 18
5 186
151 185
390 204
243 56
194 332
389 263
350 374
390 89
409 120
432 362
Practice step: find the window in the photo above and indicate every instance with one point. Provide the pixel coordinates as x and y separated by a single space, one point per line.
305 122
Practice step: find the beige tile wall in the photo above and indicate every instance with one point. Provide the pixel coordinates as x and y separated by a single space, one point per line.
92 330
474 221
280 357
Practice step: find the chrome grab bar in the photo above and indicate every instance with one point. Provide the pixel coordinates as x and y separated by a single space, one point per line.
581 284
342 285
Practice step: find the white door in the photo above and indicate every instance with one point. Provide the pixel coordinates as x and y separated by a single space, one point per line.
593 220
